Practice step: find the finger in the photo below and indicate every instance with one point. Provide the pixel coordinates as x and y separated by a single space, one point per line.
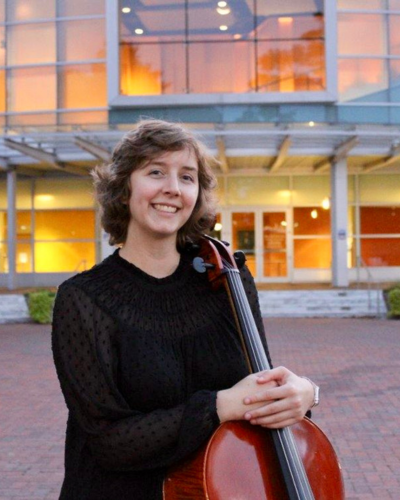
276 374
267 410
272 394
277 420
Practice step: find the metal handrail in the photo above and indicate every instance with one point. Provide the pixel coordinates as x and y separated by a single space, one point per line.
371 283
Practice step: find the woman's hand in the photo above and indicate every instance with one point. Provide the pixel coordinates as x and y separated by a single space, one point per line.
283 404
274 399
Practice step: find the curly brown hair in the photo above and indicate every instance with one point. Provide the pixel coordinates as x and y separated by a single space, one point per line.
150 139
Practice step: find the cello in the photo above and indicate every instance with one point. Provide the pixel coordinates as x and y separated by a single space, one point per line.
245 462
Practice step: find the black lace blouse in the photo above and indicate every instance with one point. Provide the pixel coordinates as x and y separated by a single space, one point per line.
140 361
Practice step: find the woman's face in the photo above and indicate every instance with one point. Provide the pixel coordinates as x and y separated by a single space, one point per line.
163 195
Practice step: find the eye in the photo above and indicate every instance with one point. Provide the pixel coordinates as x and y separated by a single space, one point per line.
188 178
155 172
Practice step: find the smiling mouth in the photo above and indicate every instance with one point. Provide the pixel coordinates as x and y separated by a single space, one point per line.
165 208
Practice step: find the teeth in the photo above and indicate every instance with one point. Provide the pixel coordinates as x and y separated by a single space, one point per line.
166 208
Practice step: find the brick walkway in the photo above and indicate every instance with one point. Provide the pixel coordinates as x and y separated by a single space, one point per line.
356 362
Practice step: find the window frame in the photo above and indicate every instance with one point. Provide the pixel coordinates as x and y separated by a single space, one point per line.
117 100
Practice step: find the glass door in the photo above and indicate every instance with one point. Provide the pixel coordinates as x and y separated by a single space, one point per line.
274 237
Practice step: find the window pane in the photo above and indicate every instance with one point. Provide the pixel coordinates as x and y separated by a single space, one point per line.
3 226
243 237
362 4
24 225
208 21
363 77
256 190
2 46
371 34
379 189
291 28
24 258
80 40
149 22
79 8
24 194
211 63
31 44
380 251
83 86
64 224
3 258
32 89
394 4
63 257
394 80
310 191
394 30
153 69
63 193
312 253
380 220
3 194
86 118
2 11
291 66
288 7
311 220
23 10
34 119
274 244
2 91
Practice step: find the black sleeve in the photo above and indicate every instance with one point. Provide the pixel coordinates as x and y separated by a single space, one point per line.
252 297
120 437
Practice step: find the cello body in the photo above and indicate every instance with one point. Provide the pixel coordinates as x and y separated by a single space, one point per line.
245 462
239 463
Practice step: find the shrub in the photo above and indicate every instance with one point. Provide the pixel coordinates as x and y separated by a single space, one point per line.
40 306
394 302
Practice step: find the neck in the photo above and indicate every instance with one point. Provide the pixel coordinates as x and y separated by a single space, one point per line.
158 259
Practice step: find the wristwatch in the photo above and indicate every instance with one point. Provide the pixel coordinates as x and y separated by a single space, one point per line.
316 392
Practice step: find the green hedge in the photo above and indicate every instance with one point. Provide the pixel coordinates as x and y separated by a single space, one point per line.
394 302
41 305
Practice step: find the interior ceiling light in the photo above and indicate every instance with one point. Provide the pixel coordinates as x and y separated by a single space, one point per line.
314 214
139 31
218 226
326 204
223 11
311 124
222 4
237 36
223 27
285 20
126 10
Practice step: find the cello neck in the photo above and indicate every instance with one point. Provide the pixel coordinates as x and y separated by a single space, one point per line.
224 265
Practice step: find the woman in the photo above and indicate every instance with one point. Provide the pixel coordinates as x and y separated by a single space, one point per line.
148 356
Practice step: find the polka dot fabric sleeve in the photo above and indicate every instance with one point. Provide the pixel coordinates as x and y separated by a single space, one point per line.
84 340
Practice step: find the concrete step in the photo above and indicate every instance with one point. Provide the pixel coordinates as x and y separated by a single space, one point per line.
322 303
13 309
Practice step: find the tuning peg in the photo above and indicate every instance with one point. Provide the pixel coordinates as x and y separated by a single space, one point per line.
200 266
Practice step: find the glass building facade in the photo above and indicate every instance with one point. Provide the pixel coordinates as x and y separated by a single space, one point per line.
90 69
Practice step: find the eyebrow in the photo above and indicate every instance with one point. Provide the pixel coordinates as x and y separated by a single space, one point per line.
163 163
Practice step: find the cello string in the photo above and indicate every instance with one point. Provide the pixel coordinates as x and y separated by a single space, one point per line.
285 436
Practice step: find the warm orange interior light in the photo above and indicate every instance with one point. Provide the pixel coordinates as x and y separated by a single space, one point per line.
285 20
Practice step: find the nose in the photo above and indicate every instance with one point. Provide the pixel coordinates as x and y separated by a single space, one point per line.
171 186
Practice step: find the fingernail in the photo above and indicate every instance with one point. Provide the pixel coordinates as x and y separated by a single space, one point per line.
247 416
246 401
261 378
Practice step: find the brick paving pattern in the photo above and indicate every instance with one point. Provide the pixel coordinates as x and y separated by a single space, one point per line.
356 362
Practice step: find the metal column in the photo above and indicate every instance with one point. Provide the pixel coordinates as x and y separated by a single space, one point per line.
12 226
340 277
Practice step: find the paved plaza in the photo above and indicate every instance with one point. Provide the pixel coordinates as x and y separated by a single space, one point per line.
356 362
